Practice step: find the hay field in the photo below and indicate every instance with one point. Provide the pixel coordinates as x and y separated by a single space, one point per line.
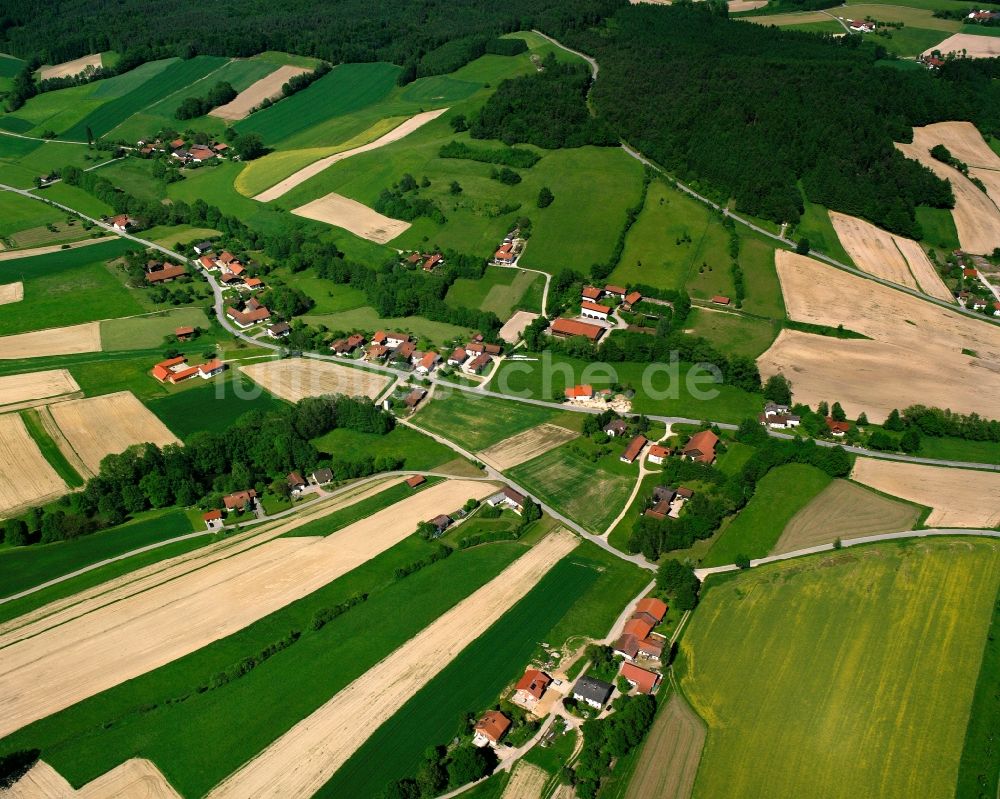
888 256
670 755
911 341
299 762
359 219
526 782
990 179
399 132
16 389
134 779
844 510
100 646
26 478
524 446
295 378
977 218
975 46
54 341
99 426
959 497
11 292
267 87
68 69
843 674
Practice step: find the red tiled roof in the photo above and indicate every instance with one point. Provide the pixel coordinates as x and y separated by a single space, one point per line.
614 289
167 273
417 479
428 361
719 299
969 272
632 452
837 427
591 293
183 331
207 262
249 317
654 607
638 627
493 725
570 327
659 452
595 306
627 644
238 498
702 444
633 298
212 515
211 366
577 392
479 362
458 355
534 682
645 681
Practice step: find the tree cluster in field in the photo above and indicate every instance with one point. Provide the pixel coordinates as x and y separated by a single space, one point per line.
726 494
324 616
294 85
679 583
286 301
937 423
505 175
713 100
220 94
444 769
257 447
402 202
508 156
607 739
456 53
547 109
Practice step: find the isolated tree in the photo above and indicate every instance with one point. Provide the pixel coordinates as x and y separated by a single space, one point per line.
802 248
742 561
249 146
893 422
823 409
778 388
459 123
545 197
837 413
455 187
15 533
862 419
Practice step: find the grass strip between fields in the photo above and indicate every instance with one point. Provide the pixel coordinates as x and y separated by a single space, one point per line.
49 450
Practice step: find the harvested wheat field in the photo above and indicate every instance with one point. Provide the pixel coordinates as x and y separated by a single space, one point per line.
901 364
959 497
516 325
888 256
845 510
26 478
977 218
295 378
670 755
54 341
736 6
56 663
17 389
963 140
990 179
134 779
70 68
268 87
526 782
11 292
99 426
299 762
354 217
10 255
524 446
973 45
313 169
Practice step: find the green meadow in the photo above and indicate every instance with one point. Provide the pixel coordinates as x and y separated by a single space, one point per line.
418 451
215 404
500 290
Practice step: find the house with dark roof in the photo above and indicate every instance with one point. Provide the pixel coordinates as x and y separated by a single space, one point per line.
295 482
594 692
508 498
321 477
279 330
616 427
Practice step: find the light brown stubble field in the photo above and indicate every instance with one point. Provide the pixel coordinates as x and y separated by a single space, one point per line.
293 379
11 292
26 478
54 341
526 782
134 779
48 666
299 762
359 219
68 69
670 756
524 446
975 46
36 385
267 87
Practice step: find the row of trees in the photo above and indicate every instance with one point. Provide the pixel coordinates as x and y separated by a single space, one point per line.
256 448
609 738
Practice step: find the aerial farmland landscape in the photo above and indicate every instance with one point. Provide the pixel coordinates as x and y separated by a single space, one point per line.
595 399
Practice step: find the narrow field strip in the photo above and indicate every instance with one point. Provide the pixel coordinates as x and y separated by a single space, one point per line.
670 755
268 87
524 446
303 759
50 449
26 478
36 385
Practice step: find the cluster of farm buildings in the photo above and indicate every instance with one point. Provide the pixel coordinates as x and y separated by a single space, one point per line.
182 152
472 357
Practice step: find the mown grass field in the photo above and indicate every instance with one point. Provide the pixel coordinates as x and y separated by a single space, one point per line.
418 451
471 682
24 567
365 318
137 719
66 288
733 334
939 227
476 422
592 494
500 290
18 213
816 227
842 675
960 449
147 332
77 199
23 160
780 494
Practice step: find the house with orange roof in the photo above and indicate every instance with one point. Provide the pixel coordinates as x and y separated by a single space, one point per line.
701 447
838 429
184 333
631 299
616 291
213 519
653 606
634 449
211 369
568 328
530 688
594 310
644 681
658 453
490 729
122 222
252 313
590 294
579 392
427 363
208 263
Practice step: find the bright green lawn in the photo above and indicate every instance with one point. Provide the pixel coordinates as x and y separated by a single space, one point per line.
418 451
910 42
939 228
67 288
500 290
733 334
22 160
19 213
365 318
476 422
959 449
24 567
77 199
841 675
782 493
146 332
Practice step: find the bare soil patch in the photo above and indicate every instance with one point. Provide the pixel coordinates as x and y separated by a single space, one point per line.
295 378
68 69
54 341
397 133
844 510
267 87
25 476
888 256
516 325
959 497
99 426
16 389
91 651
11 292
977 218
526 782
299 762
354 217
10 255
912 342
524 446
974 46
670 756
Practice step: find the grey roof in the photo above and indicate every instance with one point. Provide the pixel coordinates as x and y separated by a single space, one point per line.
323 475
204 245
593 689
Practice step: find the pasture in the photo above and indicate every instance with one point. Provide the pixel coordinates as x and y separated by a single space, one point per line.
366 318
18 213
524 446
477 422
23 160
732 333
592 494
779 496
845 510
418 451
841 675
500 290
210 405
76 198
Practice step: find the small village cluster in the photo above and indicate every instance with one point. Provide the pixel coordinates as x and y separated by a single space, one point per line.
400 348
977 293
428 261
184 153
780 417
